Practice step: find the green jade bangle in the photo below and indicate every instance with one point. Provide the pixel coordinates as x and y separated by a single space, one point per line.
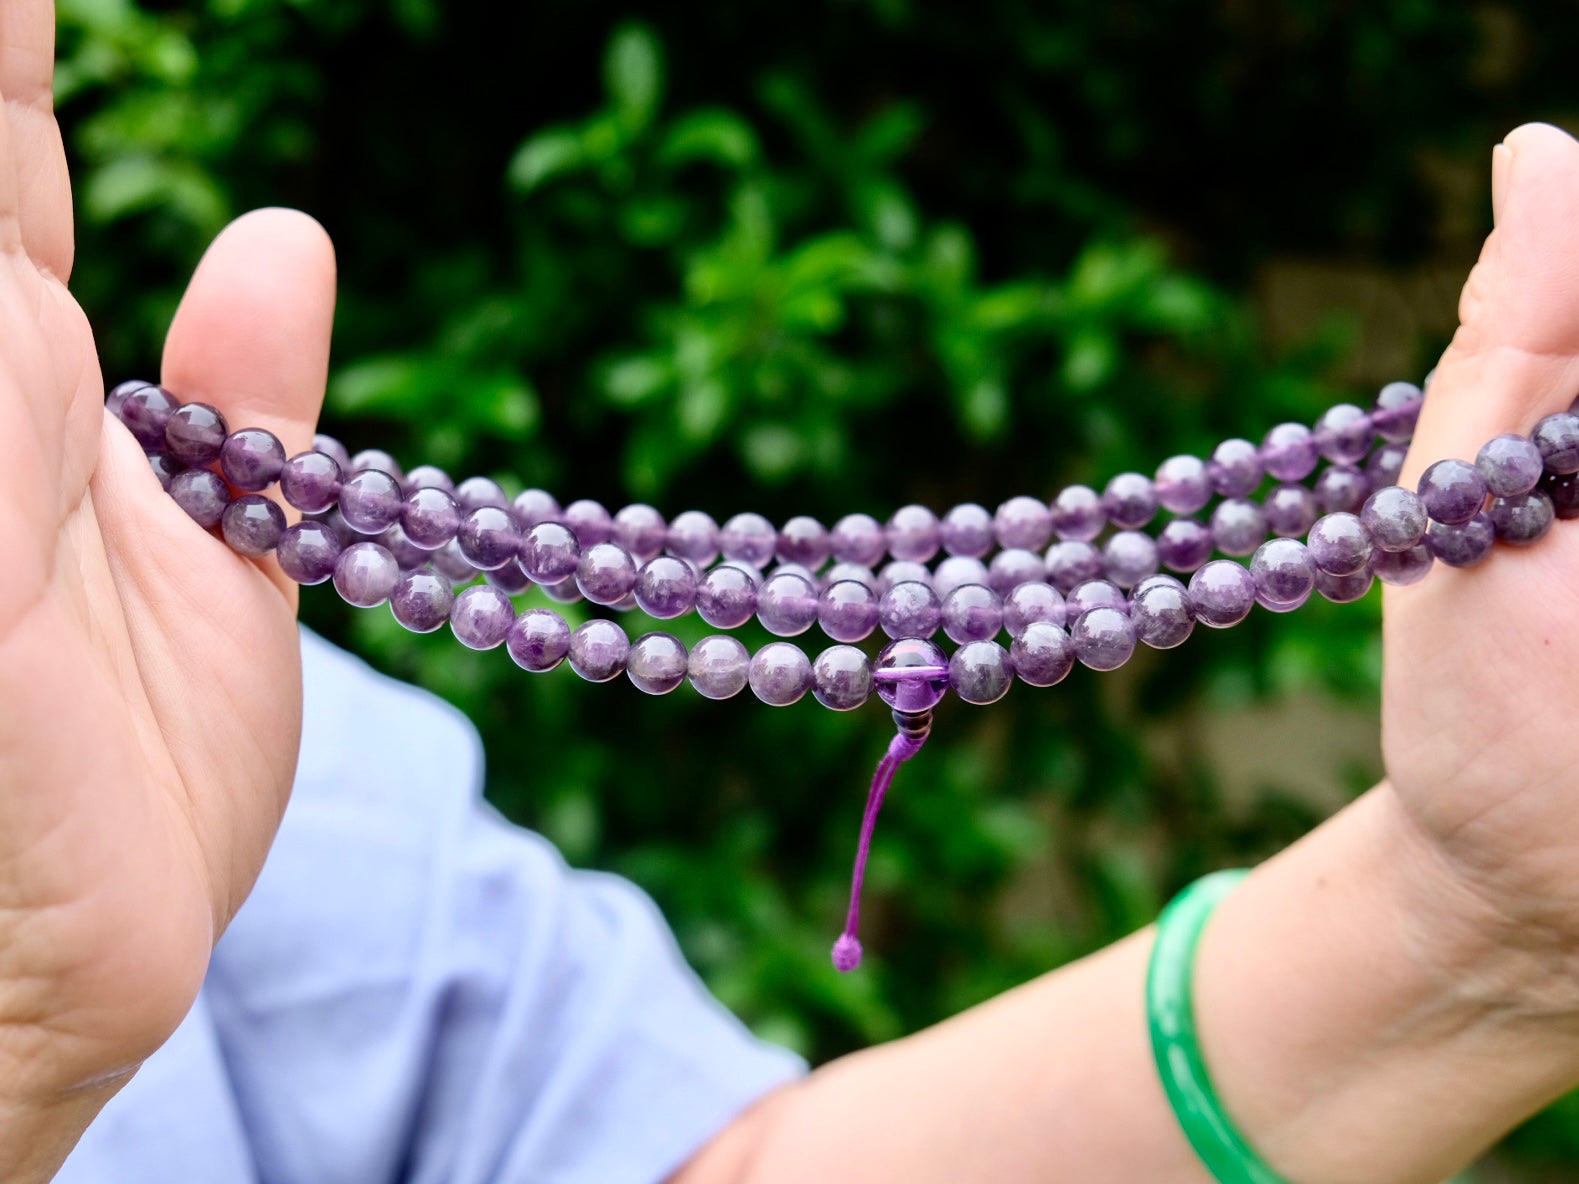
1170 1012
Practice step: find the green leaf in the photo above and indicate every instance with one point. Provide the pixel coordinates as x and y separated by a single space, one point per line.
548 154
889 133
633 381
713 134
633 75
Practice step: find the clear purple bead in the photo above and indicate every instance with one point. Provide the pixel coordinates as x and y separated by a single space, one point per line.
911 695
422 600
1103 638
406 553
726 598
1030 603
589 522
850 571
1510 464
195 434
334 450
666 587
902 571
786 604
252 525
1130 500
1068 563
967 530
1396 409
1235 468
538 640
1284 574
1222 593
202 493
980 672
1161 613
1184 544
532 506
1557 439
1385 464
909 609
1343 434
657 663
476 492
804 540
1183 485
428 477
858 538
606 573
1023 522
430 517
718 666
1339 544
370 500
1042 654
1395 518
598 650
1402 567
693 535
310 481
164 467
1452 491
146 411
1094 594
1078 515
1009 569
116 399
549 553
1464 544
972 613
641 530
307 552
913 534
481 617
374 458
1238 526
488 538
749 538
847 610
841 678
252 458
958 570
1522 519
1342 489
509 579
1344 589
780 673
1289 452
365 574
449 560
1130 556
1290 510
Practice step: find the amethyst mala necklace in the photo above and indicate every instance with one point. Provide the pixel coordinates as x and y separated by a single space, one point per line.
1074 579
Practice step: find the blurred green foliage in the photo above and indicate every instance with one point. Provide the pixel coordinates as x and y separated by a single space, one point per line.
816 259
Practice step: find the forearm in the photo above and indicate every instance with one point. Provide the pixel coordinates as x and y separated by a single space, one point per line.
1359 1025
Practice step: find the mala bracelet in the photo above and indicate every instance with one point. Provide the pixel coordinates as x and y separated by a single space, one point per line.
410 538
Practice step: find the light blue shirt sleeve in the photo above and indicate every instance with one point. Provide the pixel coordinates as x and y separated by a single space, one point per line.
419 991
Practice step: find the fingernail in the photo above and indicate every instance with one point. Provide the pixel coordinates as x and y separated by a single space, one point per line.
1501 163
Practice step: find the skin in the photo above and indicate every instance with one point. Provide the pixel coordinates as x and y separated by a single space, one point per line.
1378 1003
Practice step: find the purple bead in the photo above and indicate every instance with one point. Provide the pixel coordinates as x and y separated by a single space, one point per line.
749 538
980 672
1068 563
598 650
913 534
509 579
1344 589
195 434
1161 613
202 493
1238 526
1094 594
1130 556
1394 518
1009 569
718 666
847 610
1290 510
666 587
365 574
422 600
406 553
488 538
693 535
1452 491
606 574
915 694
1042 655
1339 544
841 678
1523 519
146 411
374 458
780 673
538 640
657 663
726 598
430 517
370 500
1078 515
1284 574
1129 501
804 541
1464 544
1183 485
1289 452
966 530
116 398
858 538
641 530
1557 439
1385 465
909 609
164 467
589 522
1510 464
310 481
532 506
449 560
1235 468
1563 489
1103 638
1030 603
334 450
252 525
850 571
481 617
1342 489
1402 567
1396 409
252 459
1023 522
1343 434
958 570
786 604
1184 544
428 477
902 571
347 534
1222 593
972 613
476 492
307 552
549 553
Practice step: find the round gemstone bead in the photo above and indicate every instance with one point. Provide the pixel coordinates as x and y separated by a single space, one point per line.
1395 518
589 522
430 517
538 640
841 678
365 574
693 535
913 534
1238 526
202 493
641 530
1068 563
606 573
1464 544
1284 574
307 552
564 592
1009 569
718 666
252 458
958 570
1042 655
657 663
1452 491
532 506
252 525
1563 489
902 571
1343 434
370 500
1182 484
1385 464
909 609
850 571
1130 500
509 579
1030 603
348 534
726 598
422 600
1078 515
449 560
549 553
1094 594
1339 544
972 613
1184 544
1130 556
780 673
1341 488
1557 439
334 450
428 477
1023 522
1402 567
1396 409
1344 589
476 492
1161 613
488 538
967 530
858 538
666 587
1289 452
598 650
980 672
1290 510
1235 468
117 396
1222 593
481 617
786 604
749 538
310 481
195 434
146 411
847 610
1510 464
1103 638
1522 519
406 553
804 540
374 458
917 693
164 467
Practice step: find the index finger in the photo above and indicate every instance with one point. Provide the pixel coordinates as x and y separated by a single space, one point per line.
39 179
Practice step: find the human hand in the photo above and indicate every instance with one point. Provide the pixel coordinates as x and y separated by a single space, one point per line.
149 676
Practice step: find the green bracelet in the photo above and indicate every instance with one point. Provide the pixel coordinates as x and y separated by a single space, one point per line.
1170 1011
